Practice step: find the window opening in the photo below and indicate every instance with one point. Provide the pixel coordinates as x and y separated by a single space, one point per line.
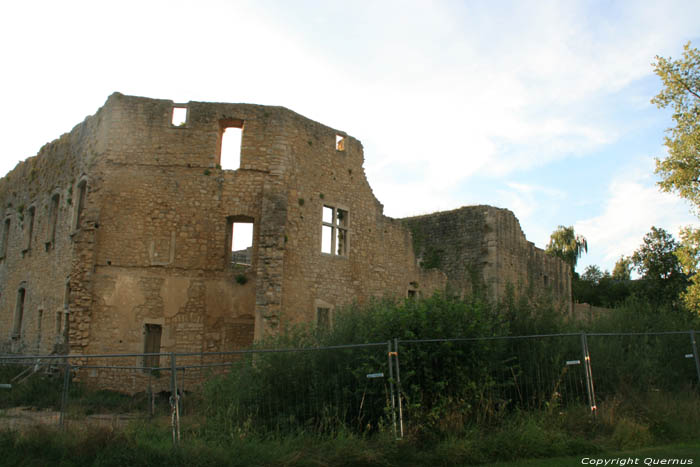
240 232
39 319
53 220
231 138
152 345
412 294
334 231
30 228
179 116
323 319
19 312
5 238
339 143
59 325
80 207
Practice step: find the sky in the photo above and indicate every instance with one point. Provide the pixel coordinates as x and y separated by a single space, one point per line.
539 107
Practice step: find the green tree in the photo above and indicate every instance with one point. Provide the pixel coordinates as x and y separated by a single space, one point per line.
688 254
565 244
622 269
663 279
593 274
680 171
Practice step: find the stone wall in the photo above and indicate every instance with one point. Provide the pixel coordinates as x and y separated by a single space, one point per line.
484 246
41 241
154 244
141 255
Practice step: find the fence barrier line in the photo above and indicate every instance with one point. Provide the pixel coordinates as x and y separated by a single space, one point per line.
653 333
355 384
466 339
190 354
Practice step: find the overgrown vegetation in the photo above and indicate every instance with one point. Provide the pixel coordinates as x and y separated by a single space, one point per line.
464 401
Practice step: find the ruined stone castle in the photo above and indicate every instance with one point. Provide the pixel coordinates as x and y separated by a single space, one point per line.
117 237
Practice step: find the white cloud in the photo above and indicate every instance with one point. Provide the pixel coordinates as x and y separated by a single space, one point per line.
634 205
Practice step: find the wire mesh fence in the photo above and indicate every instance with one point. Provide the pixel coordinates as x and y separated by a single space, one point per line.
397 385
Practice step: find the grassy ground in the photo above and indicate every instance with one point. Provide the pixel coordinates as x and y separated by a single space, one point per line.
642 456
558 438
104 448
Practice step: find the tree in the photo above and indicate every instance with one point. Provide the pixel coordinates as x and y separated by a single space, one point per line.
593 274
622 269
565 244
680 171
688 255
661 271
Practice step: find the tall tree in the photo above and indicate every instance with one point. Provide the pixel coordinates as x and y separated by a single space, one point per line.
657 263
565 244
680 171
593 274
622 269
688 255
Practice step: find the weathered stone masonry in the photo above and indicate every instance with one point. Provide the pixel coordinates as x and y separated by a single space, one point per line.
117 236
484 246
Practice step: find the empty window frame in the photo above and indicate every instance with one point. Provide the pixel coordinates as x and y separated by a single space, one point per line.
323 318
179 117
334 231
29 228
80 205
339 143
53 220
19 313
239 242
5 238
151 345
231 144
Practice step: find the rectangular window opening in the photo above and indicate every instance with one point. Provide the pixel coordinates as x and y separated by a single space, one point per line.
231 138
323 319
179 116
59 326
80 207
29 232
5 238
339 143
39 319
19 313
152 345
53 220
241 242
334 231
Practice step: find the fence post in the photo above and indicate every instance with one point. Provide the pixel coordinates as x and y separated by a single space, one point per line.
64 395
174 401
391 386
695 354
589 373
398 385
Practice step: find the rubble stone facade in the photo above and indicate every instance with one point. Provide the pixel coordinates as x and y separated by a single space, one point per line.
484 246
116 237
